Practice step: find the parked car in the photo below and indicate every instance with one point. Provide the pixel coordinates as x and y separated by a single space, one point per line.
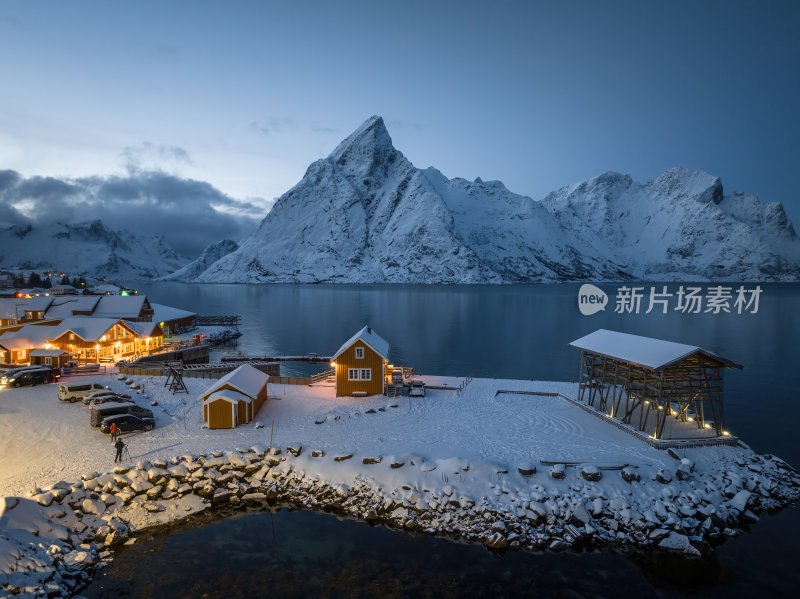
31 377
12 371
90 397
75 391
416 388
99 413
110 398
127 423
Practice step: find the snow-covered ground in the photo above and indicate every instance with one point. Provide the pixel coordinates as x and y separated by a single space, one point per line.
505 469
43 440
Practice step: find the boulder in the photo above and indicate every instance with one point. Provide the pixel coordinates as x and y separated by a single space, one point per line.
558 471
372 460
496 541
674 541
93 506
591 473
295 450
342 457
663 476
630 474
526 469
396 464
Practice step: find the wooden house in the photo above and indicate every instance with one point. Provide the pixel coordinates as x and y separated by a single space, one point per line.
149 338
235 399
94 340
57 358
173 320
360 364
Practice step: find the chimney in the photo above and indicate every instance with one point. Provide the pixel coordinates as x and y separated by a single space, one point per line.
369 331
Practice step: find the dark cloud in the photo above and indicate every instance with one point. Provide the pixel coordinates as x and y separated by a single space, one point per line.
189 214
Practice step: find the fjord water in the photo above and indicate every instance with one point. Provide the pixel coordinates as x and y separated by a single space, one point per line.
483 331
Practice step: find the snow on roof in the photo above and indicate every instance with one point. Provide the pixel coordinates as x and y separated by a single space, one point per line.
119 306
47 352
143 329
645 351
227 395
162 313
27 337
246 379
63 307
13 307
85 327
107 288
39 304
371 338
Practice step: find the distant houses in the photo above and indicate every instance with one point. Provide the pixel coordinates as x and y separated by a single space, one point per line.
93 328
360 364
234 399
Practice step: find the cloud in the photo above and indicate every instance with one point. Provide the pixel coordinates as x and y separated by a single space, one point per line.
190 214
272 125
153 157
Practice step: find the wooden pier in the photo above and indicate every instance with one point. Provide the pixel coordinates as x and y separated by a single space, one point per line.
305 358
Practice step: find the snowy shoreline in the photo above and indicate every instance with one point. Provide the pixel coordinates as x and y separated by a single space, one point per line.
417 465
56 540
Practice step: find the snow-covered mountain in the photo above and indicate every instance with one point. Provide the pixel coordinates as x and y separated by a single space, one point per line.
210 254
366 214
682 226
89 248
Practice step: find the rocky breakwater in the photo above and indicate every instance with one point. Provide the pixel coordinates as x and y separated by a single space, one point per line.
53 542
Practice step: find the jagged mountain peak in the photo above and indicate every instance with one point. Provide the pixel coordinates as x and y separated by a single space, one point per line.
369 146
680 182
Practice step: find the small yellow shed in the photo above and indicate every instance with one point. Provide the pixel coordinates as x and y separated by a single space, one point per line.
236 398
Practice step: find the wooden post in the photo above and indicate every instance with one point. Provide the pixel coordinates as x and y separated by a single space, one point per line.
271 430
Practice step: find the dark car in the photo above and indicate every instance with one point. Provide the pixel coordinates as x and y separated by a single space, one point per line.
104 411
127 423
31 377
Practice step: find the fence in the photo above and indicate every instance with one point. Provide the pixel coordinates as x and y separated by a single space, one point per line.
219 321
290 380
88 370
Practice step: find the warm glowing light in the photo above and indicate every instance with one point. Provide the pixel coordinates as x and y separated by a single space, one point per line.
726 433
708 426
333 364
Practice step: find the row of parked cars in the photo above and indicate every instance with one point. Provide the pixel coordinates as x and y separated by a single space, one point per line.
29 375
108 407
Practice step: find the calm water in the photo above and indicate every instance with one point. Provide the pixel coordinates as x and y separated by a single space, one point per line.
510 331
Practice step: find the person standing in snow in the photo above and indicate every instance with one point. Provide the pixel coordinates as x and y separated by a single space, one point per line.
114 430
120 446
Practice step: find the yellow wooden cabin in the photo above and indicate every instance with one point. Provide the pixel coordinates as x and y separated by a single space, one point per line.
360 364
235 399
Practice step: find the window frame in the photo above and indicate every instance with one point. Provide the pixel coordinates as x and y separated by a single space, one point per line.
368 372
351 372
359 350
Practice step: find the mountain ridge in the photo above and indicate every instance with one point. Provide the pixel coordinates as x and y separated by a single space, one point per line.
366 214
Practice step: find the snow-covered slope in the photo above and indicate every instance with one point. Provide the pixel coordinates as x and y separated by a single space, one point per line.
366 214
89 248
210 254
681 225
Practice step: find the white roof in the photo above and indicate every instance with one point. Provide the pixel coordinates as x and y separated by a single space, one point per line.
371 338
47 352
227 395
245 379
13 307
644 351
119 306
63 307
143 329
86 327
162 313
29 336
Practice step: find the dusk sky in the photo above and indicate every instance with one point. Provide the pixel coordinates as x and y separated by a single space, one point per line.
245 95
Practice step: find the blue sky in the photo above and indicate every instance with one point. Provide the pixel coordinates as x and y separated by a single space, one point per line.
244 95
